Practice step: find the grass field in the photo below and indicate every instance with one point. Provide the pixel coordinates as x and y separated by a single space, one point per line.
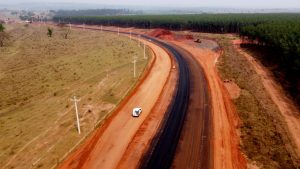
38 77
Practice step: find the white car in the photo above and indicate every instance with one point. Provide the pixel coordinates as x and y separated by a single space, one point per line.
136 112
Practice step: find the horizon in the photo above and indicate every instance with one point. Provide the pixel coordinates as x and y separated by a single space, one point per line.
176 4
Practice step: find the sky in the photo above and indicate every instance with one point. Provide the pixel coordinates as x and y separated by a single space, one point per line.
181 3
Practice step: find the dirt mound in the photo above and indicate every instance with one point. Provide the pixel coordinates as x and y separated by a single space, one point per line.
168 35
162 34
232 88
189 37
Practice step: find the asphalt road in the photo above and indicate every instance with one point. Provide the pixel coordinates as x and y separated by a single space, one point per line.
184 139
164 145
195 147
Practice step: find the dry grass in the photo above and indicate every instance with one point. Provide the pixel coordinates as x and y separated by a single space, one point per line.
263 132
39 75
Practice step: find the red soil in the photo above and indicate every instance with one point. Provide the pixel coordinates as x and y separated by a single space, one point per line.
106 147
168 35
289 111
142 139
226 140
160 32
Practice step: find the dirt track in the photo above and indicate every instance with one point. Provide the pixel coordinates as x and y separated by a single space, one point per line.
289 111
108 144
142 139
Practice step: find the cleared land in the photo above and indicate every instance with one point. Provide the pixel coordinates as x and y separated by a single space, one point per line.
224 139
39 75
286 106
264 137
107 145
141 141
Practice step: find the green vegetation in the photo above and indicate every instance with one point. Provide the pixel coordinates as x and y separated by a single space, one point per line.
2 28
50 32
263 136
213 23
281 43
278 32
39 76
3 35
95 12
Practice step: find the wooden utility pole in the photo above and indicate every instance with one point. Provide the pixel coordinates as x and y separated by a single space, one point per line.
145 51
134 67
75 100
130 34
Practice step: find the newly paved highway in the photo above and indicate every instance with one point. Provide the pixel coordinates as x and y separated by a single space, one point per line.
187 129
185 136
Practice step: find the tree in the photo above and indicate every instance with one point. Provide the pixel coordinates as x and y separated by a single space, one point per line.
2 28
66 33
50 32
3 37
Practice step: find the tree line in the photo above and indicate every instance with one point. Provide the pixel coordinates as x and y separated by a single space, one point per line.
213 23
280 32
283 38
95 12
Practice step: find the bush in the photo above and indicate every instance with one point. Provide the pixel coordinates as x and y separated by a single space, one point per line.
50 32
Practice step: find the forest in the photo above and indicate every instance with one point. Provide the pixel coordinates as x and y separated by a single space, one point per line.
213 23
281 40
96 12
278 32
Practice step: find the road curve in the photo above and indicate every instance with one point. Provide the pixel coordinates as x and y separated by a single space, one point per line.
191 111
195 148
164 145
105 148
191 102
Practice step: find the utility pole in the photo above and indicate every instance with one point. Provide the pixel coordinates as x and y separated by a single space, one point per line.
145 51
118 31
77 114
134 67
139 40
130 34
